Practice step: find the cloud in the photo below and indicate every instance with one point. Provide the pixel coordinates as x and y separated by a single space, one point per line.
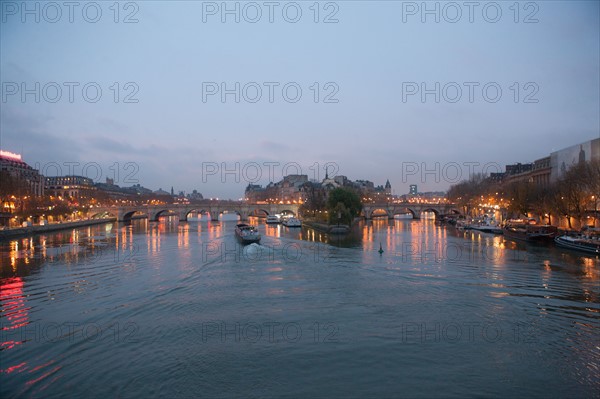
29 134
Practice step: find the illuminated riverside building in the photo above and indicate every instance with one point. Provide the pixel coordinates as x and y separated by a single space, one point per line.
290 188
562 160
70 186
17 168
296 189
544 171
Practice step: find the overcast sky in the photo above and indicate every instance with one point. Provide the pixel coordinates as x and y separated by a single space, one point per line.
161 120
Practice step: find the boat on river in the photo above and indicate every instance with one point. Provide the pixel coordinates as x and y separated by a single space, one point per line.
486 225
463 224
488 228
291 222
529 230
273 219
246 233
588 242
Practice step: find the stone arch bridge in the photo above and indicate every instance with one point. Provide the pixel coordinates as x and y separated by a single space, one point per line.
215 208
390 209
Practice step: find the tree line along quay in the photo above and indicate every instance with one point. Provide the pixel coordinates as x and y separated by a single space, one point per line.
550 189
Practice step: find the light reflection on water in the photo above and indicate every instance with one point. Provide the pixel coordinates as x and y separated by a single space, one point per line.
174 309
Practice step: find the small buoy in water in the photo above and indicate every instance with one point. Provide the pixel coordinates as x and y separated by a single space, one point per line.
380 249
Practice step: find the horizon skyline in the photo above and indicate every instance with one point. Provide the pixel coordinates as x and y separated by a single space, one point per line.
271 167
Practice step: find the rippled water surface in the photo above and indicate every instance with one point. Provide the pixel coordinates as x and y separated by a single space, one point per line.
182 310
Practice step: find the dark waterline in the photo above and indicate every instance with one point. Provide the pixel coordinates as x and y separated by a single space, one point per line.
182 310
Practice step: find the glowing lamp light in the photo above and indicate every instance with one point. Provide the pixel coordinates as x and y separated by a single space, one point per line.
11 155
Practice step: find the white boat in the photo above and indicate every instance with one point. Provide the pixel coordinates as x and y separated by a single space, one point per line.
292 222
487 226
246 233
272 219
582 243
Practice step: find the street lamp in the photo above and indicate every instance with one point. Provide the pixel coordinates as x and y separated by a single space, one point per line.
595 210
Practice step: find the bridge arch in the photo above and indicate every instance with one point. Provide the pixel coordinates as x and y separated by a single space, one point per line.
379 212
128 215
229 212
435 212
255 211
183 216
405 210
156 215
102 214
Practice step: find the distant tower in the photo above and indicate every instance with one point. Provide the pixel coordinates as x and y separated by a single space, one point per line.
172 191
413 189
388 187
581 154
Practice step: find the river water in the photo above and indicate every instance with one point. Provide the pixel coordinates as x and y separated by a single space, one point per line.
182 310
